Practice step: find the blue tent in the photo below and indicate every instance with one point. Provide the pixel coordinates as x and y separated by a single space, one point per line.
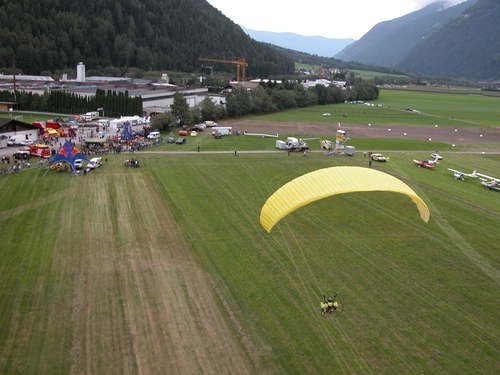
68 153
127 132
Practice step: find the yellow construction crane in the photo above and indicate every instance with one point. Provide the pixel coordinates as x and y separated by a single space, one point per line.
241 66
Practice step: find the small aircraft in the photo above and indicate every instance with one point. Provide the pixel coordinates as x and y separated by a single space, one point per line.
429 163
491 183
459 175
425 163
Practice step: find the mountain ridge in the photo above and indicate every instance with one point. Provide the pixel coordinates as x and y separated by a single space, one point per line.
388 42
315 45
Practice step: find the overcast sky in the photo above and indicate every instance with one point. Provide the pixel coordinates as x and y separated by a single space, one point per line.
328 18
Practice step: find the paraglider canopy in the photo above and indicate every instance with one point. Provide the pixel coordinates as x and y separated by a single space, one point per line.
327 182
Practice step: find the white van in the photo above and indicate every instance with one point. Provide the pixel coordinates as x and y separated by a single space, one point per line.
90 116
222 130
154 135
18 140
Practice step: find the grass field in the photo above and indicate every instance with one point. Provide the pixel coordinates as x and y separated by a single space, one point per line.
206 142
165 269
434 108
368 74
26 117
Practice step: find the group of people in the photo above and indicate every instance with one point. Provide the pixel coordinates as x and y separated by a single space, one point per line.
17 166
134 163
329 305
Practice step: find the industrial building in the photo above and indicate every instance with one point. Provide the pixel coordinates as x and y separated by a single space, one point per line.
157 96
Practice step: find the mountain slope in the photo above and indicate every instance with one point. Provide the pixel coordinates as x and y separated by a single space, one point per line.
316 45
46 35
467 47
389 42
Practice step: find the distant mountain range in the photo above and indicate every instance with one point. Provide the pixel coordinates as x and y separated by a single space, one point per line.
315 45
460 41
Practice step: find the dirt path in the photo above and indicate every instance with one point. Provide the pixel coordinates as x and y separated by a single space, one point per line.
442 133
141 305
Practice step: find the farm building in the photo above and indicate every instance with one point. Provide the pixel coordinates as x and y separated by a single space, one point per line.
9 127
7 106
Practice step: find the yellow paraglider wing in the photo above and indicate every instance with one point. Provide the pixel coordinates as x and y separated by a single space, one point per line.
327 182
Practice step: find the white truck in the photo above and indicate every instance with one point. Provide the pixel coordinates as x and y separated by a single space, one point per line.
292 144
18 140
90 116
281 145
222 130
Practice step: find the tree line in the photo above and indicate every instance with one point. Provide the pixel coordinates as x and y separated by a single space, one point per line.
41 36
112 103
266 98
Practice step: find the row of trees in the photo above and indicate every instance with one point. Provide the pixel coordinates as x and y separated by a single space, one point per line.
112 103
265 98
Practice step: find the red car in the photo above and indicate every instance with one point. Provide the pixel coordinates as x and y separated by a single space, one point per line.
183 132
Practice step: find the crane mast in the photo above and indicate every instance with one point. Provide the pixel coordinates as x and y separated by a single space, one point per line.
241 66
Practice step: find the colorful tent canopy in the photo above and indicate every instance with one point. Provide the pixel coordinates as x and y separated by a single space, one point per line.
127 134
68 153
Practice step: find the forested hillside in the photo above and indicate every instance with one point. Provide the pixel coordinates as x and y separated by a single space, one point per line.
469 46
47 35
389 42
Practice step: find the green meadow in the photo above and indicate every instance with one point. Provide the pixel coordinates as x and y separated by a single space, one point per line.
136 270
26 117
206 142
433 109
369 74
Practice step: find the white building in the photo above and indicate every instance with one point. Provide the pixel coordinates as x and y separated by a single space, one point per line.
80 72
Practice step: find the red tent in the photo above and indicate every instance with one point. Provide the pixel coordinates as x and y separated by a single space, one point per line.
52 124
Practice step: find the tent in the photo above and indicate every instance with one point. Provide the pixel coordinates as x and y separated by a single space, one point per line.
68 153
127 134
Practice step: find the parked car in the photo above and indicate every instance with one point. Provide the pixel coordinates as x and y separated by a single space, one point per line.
379 157
154 135
194 133
436 156
180 141
170 140
199 127
78 164
22 154
94 163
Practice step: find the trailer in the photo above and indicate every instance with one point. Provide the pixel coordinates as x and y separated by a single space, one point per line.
222 130
90 116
